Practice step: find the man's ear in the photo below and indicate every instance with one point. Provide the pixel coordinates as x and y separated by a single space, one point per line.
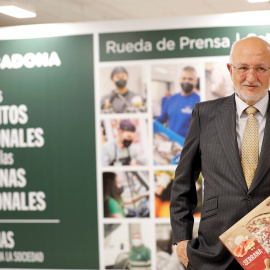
229 67
197 81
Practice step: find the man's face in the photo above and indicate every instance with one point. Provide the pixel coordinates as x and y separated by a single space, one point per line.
126 135
250 87
189 77
136 240
188 82
120 79
136 236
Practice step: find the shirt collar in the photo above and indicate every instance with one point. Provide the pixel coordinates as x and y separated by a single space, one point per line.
261 105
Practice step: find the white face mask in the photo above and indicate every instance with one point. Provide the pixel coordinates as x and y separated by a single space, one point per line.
136 242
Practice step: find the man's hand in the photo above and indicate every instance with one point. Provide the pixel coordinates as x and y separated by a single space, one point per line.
181 251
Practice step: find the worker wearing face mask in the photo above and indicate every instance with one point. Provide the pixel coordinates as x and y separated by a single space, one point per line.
122 151
116 206
178 108
121 98
140 255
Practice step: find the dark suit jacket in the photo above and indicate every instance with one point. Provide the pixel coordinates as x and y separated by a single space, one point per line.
211 148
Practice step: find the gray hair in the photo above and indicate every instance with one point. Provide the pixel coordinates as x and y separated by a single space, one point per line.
190 69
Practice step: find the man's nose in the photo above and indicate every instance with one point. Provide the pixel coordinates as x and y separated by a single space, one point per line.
251 75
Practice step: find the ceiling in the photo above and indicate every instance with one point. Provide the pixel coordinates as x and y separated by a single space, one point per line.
58 11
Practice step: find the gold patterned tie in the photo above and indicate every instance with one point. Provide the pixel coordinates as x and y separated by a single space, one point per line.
250 147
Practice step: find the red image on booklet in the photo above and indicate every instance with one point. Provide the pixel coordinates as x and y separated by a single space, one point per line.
249 239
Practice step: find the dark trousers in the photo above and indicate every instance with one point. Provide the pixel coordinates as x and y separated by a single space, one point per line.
234 266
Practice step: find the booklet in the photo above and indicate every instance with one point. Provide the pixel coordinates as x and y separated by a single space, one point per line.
248 240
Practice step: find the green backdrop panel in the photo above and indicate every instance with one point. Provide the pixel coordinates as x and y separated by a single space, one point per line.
52 138
174 43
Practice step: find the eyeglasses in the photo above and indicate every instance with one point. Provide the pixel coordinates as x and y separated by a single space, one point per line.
244 70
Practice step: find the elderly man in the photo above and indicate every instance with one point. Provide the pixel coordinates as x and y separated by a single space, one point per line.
178 108
229 142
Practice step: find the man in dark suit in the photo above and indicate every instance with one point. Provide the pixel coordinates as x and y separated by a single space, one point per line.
215 146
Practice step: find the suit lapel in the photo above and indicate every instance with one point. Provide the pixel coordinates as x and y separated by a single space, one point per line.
226 128
264 159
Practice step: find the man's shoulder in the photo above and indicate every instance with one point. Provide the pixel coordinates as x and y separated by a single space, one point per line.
145 248
213 104
131 93
106 96
196 97
134 149
180 96
174 97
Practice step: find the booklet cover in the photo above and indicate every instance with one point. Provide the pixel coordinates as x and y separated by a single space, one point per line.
249 239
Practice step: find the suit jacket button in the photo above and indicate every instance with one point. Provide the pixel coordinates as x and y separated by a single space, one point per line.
249 197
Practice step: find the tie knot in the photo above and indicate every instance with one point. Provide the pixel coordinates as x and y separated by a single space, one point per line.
251 110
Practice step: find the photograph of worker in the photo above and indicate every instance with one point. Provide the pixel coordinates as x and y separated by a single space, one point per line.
127 246
126 194
163 184
175 90
218 82
123 89
166 258
124 142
